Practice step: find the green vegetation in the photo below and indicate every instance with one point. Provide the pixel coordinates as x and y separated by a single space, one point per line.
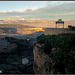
71 27
61 49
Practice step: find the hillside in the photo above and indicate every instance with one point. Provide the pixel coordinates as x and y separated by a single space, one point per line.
27 26
32 23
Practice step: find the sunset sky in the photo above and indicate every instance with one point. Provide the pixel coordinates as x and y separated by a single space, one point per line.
37 9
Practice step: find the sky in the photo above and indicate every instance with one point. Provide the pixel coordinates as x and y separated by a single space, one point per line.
37 9
19 5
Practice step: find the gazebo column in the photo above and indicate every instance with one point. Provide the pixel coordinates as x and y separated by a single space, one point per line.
63 25
56 25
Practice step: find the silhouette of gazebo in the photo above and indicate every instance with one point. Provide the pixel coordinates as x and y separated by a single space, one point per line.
59 22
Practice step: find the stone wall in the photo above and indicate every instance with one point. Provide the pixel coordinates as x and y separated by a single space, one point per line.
58 31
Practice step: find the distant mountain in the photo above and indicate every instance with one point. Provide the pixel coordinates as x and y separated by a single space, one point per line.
28 26
31 23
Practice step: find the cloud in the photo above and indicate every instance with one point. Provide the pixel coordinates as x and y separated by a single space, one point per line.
15 11
53 3
43 4
17 16
69 13
32 9
56 3
26 10
43 11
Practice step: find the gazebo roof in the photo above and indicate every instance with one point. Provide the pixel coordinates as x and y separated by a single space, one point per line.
59 21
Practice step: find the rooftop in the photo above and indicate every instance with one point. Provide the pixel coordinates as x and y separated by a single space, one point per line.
59 21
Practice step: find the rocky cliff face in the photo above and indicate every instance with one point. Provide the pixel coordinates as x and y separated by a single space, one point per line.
42 62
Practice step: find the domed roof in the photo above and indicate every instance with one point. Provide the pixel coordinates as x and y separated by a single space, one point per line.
59 21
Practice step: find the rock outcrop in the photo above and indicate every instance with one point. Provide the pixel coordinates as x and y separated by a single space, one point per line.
41 60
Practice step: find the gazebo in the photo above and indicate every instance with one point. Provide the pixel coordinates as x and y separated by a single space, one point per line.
59 22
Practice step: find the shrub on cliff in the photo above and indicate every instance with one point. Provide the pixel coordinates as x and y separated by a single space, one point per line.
41 39
47 47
